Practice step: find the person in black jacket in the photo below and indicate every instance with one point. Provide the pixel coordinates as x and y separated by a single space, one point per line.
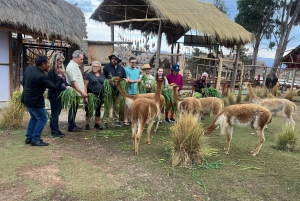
56 67
114 69
201 84
35 83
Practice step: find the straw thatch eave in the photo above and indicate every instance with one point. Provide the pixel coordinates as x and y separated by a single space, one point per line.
178 17
51 19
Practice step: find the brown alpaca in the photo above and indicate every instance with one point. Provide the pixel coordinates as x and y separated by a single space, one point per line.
188 105
242 115
275 105
130 98
142 111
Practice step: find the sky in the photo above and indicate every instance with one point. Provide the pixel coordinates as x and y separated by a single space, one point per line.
100 32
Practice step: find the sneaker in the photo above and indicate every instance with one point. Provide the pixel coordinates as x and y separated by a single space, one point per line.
58 135
105 125
97 126
59 132
87 127
118 124
172 120
167 120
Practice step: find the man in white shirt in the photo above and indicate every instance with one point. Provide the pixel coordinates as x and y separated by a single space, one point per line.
75 79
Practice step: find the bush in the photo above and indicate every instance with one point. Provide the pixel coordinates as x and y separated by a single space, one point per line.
289 94
188 142
287 139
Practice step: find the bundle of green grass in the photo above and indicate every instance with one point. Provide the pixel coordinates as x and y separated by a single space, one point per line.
13 115
188 142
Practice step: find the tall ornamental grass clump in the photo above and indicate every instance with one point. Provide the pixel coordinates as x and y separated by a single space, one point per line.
188 142
287 139
289 94
13 115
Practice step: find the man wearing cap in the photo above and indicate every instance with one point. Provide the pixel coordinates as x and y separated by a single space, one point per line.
176 78
201 84
111 70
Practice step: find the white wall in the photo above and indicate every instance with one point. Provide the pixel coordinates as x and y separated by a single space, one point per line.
4 66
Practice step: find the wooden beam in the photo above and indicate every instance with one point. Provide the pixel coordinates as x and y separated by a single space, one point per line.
219 74
11 69
112 32
135 20
232 87
159 34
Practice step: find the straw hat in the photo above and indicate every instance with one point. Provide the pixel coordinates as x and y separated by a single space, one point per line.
146 66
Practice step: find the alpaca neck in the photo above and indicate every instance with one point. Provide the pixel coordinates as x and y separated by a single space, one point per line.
251 92
158 90
121 90
175 94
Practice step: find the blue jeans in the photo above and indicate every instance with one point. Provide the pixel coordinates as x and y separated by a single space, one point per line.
55 104
72 114
36 124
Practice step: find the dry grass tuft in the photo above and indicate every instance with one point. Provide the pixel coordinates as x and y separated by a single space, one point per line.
13 115
289 94
231 98
298 92
239 96
247 98
261 92
188 142
275 90
287 139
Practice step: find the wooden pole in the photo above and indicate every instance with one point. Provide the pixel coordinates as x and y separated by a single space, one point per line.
159 34
219 74
178 46
112 32
232 87
294 76
242 74
265 76
172 50
135 20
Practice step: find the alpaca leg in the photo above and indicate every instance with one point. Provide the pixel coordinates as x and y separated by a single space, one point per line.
149 130
140 129
133 129
261 139
229 137
157 123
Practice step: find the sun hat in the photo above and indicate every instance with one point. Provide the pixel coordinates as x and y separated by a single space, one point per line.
146 66
116 55
175 68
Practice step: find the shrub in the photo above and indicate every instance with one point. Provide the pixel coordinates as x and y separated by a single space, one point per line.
231 98
275 90
239 96
188 142
298 92
287 139
13 115
289 94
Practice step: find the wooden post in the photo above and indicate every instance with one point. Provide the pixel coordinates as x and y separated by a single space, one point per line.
219 74
232 87
128 52
112 32
178 46
294 76
265 76
158 47
242 74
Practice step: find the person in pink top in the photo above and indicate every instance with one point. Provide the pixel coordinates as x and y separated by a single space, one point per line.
173 77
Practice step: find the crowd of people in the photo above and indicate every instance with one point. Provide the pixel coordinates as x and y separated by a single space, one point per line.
51 74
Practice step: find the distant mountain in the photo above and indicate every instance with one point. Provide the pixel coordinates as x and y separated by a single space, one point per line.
269 61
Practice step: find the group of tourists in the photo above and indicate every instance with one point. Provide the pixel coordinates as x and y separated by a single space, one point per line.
59 79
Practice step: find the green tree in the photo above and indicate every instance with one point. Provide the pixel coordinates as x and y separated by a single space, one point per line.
219 4
287 17
256 16
244 57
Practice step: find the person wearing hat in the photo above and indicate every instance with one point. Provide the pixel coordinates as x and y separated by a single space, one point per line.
201 84
146 72
176 78
114 69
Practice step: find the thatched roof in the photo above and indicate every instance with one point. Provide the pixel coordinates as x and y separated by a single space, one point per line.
51 19
178 18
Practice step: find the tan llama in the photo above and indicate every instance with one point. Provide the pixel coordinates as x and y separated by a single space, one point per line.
144 111
188 105
275 105
130 98
242 115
